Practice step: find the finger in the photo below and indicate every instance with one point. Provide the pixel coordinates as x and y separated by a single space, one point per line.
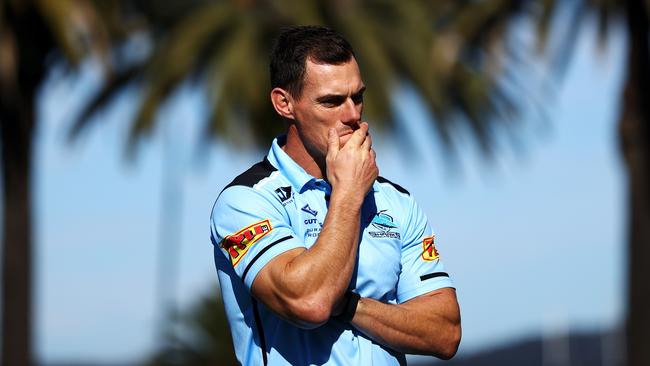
367 126
367 143
359 135
333 141
373 160
373 157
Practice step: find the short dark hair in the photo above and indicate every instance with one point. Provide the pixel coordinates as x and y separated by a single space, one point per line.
294 45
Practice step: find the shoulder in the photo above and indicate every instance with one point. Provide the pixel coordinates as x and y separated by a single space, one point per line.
391 194
397 201
385 183
262 183
253 175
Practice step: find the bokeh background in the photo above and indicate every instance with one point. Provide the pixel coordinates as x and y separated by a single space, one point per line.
507 120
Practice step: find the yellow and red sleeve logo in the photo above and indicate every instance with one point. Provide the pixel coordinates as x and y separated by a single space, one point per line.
240 242
429 251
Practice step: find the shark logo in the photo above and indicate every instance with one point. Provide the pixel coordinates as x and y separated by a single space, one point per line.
384 223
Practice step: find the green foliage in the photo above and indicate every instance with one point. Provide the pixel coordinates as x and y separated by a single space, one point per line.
201 336
452 53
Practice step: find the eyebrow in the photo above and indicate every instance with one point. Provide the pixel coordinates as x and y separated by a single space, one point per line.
339 97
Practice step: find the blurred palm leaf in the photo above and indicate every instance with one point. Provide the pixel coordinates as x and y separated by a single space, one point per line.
450 52
200 336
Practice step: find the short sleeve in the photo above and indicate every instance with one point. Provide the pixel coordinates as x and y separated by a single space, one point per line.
250 230
422 270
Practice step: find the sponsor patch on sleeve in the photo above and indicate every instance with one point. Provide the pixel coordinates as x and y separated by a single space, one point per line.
240 242
429 251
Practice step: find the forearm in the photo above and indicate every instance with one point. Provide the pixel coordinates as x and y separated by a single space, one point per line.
421 326
325 269
304 287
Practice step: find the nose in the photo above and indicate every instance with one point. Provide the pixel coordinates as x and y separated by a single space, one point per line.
351 113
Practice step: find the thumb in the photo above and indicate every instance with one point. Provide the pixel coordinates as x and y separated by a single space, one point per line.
332 142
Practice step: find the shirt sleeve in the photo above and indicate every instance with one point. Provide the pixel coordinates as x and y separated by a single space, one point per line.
250 229
422 270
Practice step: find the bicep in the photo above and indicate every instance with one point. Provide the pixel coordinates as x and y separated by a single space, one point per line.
279 289
270 285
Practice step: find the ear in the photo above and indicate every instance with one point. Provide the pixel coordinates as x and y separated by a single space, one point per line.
282 102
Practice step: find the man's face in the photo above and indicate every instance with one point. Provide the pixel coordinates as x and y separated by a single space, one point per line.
332 97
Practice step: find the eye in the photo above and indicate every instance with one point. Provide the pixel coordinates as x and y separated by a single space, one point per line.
358 97
332 101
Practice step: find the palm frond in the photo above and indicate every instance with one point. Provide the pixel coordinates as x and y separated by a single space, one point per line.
175 59
76 28
115 84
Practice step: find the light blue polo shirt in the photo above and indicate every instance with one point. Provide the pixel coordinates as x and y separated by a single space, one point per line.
276 206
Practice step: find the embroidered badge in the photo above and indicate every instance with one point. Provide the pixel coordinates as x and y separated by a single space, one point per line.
429 251
240 242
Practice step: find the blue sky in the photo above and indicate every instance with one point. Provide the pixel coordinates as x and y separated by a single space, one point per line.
534 239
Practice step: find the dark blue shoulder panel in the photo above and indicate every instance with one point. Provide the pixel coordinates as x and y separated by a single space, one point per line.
254 174
381 179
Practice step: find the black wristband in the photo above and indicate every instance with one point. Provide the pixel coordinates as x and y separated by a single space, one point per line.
350 307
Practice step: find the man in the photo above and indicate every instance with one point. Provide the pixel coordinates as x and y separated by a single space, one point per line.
320 260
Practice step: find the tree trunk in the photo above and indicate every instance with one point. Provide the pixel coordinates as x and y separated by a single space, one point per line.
30 42
16 127
635 144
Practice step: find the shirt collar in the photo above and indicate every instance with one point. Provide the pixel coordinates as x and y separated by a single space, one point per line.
296 175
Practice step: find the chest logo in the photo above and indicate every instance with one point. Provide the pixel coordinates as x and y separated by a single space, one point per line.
309 210
240 242
283 193
384 224
429 251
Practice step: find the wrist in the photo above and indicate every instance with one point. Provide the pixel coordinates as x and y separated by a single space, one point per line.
348 306
349 199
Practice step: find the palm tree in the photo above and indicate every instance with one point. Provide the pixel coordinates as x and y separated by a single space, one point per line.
444 49
36 35
634 134
33 36
634 129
